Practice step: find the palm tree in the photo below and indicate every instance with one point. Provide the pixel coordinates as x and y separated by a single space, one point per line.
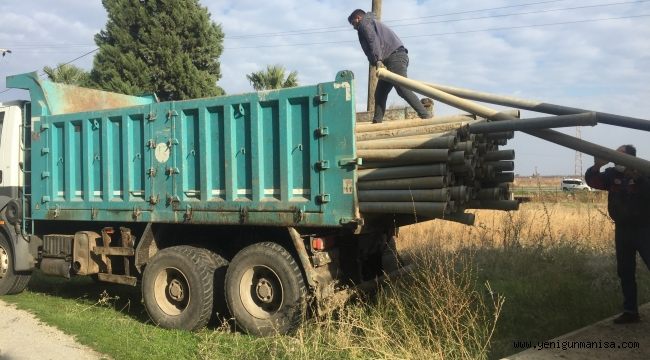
67 74
272 78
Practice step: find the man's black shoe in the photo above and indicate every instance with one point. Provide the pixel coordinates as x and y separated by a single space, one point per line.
627 318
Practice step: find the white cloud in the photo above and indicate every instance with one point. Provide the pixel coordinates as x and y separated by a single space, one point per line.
596 65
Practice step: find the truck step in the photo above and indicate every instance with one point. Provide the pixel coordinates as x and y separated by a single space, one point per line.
114 250
118 279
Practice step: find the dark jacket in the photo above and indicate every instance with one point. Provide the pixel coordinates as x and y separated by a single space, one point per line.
377 40
628 200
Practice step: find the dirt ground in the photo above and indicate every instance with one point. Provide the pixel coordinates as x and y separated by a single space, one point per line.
22 336
599 336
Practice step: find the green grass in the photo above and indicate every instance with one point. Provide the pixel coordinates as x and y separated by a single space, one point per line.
434 313
549 292
110 319
444 310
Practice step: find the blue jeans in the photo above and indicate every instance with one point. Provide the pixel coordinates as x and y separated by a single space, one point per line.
398 63
630 239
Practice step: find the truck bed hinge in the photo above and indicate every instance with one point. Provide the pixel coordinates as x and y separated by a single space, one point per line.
323 165
322 98
323 198
243 214
350 161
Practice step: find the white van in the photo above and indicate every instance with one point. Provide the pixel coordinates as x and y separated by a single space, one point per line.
573 184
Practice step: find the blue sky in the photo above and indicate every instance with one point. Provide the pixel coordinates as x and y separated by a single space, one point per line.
552 51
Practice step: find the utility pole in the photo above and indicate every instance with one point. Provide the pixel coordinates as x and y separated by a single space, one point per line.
577 165
372 76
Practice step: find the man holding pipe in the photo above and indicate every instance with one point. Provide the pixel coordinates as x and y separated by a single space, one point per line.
384 49
628 203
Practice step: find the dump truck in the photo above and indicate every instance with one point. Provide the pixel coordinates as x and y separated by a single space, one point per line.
263 207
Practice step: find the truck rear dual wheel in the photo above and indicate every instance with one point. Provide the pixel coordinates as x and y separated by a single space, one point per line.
178 287
265 290
11 282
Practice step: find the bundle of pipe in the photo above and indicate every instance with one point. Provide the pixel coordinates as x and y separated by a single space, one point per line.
433 168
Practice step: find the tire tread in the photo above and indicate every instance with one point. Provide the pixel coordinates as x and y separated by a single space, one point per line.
268 250
204 265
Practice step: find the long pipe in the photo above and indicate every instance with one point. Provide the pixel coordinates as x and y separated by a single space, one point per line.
425 209
584 119
401 172
457 157
502 135
401 124
430 182
542 107
496 193
417 130
430 195
436 120
546 134
459 193
443 142
497 155
504 177
459 132
422 155
503 165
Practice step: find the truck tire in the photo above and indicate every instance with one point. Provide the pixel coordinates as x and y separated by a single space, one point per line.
219 307
11 282
265 290
178 287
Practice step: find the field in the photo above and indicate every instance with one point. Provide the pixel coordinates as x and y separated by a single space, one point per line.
527 275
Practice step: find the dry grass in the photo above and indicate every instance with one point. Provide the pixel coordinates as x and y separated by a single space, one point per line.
475 290
527 275
435 312
535 224
552 264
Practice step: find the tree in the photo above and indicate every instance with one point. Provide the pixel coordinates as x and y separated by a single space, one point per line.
67 74
272 78
170 47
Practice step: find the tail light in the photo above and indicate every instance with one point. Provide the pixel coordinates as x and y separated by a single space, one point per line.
322 242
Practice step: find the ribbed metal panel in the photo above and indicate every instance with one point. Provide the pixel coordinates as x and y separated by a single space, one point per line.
57 245
270 158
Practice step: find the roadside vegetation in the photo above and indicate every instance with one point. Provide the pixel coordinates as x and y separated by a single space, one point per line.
533 274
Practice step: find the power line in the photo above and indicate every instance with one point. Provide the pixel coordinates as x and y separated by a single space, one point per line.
449 33
47 46
454 20
60 66
527 13
307 32
393 20
71 61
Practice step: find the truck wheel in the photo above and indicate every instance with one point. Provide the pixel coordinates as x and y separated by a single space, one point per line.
220 309
265 290
10 281
178 287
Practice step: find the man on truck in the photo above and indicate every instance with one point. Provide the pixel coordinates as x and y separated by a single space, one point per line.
384 49
628 203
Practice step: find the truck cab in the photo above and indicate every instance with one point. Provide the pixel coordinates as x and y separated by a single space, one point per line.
11 178
17 258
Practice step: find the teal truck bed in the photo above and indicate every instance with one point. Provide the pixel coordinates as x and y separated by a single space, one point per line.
282 158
